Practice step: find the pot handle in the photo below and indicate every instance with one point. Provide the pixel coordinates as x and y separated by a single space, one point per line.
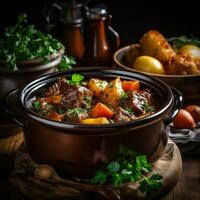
178 103
10 104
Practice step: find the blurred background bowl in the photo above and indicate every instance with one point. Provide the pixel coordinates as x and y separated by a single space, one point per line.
188 85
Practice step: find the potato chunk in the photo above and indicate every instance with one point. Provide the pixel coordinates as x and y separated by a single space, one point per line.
96 86
100 120
113 92
154 44
183 64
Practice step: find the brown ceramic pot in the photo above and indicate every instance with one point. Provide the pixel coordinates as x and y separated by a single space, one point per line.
77 149
188 85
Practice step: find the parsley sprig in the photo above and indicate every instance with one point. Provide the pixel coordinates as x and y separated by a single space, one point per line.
76 111
76 79
66 63
129 166
147 107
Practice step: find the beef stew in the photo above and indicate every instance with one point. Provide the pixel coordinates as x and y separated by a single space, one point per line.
94 101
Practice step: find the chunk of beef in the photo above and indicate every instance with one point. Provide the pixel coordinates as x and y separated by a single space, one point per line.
138 101
122 115
76 97
57 88
146 93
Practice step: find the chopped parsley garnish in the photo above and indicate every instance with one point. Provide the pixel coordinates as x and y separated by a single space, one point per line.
147 107
87 100
76 111
124 96
129 166
76 79
130 111
37 105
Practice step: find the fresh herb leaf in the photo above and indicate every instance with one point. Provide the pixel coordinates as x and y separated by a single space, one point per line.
151 184
87 100
76 79
147 107
142 163
156 177
124 96
113 167
37 105
23 42
117 179
76 111
67 62
99 178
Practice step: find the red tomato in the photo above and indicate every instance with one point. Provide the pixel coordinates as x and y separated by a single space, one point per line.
194 110
183 120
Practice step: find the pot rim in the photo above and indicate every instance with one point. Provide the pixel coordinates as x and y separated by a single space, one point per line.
120 64
100 128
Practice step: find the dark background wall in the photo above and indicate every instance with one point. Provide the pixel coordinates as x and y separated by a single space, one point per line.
131 18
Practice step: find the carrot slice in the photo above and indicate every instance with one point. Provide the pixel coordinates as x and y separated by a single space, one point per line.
101 110
130 85
55 116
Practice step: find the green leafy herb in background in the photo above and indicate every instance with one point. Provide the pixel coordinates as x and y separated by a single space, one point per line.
23 42
151 184
66 63
129 166
178 42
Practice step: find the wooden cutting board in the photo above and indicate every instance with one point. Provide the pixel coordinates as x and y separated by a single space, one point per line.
26 179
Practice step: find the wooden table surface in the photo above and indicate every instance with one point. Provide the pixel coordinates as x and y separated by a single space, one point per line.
187 188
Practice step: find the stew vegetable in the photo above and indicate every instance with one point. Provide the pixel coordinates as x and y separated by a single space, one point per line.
94 101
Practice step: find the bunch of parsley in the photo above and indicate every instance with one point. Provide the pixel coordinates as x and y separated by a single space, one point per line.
23 42
129 166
